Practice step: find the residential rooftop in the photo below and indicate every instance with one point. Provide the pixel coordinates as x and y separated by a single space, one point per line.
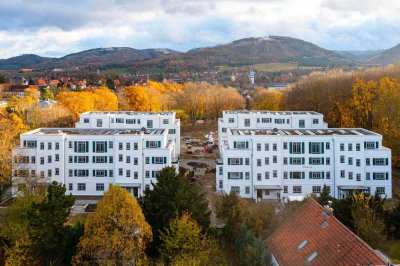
313 236
78 131
273 112
304 132
126 113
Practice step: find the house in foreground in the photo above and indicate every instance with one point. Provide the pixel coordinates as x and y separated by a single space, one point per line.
313 236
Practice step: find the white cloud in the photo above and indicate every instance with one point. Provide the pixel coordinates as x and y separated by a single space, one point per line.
51 27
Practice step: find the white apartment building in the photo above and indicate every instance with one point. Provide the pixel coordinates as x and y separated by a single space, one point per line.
133 120
268 120
88 160
282 163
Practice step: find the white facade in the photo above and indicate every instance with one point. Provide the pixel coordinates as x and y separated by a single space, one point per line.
268 120
133 120
279 164
87 161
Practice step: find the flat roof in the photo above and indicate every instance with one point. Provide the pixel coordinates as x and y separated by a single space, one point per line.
126 113
85 131
273 112
304 132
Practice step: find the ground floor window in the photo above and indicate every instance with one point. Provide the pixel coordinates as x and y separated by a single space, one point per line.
81 186
235 190
100 187
296 189
316 189
380 190
247 190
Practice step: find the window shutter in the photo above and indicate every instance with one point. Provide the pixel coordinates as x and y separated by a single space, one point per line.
105 146
234 144
159 144
309 160
75 146
87 146
241 161
241 175
291 160
87 159
377 145
386 161
291 175
302 175
94 173
229 175
302 147
247 144
75 172
310 175
86 172
93 159
152 160
229 161
373 161
105 172
387 176
105 159
75 159
94 146
24 143
290 148
322 147
365 144
165 159
303 160
147 144
309 147
323 160
323 175
373 176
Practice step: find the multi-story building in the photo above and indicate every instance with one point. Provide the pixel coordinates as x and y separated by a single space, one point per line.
268 120
280 163
133 120
88 160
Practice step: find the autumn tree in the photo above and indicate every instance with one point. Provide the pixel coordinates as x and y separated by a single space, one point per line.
364 102
184 242
136 98
47 94
77 102
104 100
369 224
116 233
266 99
170 197
38 116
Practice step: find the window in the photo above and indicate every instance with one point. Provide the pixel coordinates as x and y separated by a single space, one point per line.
147 187
358 147
41 160
149 123
111 159
266 147
49 173
30 144
301 123
274 147
285 189
119 120
100 159
350 147
235 190
315 175
100 187
70 144
296 161
81 173
247 161
220 170
315 121
100 146
81 186
285 161
120 146
42 145
110 144
235 175
296 189
369 145
316 161
235 161
266 192
135 146
81 146
296 175
120 158
296 148
41 174
128 146
128 159
350 160
266 159
258 176
380 190
367 161
285 145
358 162
120 171
33 159
171 131
368 176
258 162
247 122
341 146
159 160
99 123
223 130
135 161
328 175
274 159
284 175
153 144
258 146
70 173
342 173
350 175
279 121
70 186
379 176
266 175
316 147
379 161
49 146
129 121
231 120
275 173
358 177
328 161
57 171
111 173
316 189
247 175
86 120
220 184
147 174
70 159
147 159
342 159
165 121
57 146
247 190
266 120
128 173
135 175
49 158
240 144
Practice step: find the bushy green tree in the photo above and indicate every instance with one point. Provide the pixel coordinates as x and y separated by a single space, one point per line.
47 94
393 221
324 197
342 211
251 250
172 196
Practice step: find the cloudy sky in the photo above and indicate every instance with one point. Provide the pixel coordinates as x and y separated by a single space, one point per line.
59 27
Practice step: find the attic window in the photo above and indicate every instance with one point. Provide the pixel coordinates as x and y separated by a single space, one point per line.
302 245
311 257
325 224
325 214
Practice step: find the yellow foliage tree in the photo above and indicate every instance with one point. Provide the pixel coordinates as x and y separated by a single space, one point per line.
265 99
137 99
105 100
77 102
364 102
116 233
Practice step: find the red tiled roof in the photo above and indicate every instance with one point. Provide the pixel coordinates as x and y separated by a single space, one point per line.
335 244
